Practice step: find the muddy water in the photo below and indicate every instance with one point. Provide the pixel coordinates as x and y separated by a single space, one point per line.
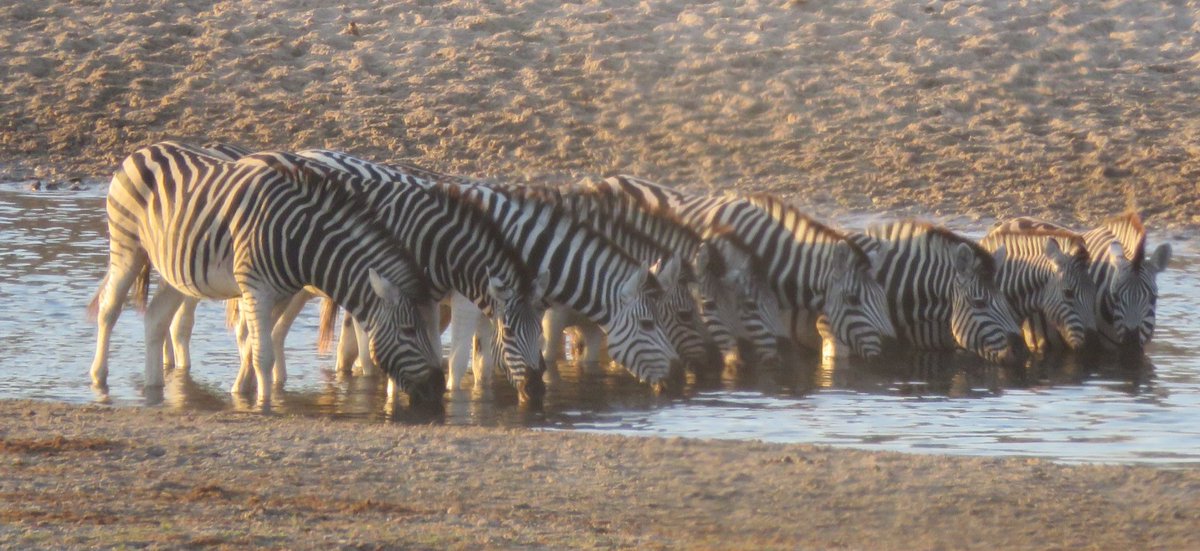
53 250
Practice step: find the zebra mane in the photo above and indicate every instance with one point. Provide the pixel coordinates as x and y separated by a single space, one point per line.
610 195
793 219
430 174
315 177
1125 225
933 231
534 196
457 196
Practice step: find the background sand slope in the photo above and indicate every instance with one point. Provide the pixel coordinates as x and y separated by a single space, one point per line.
935 107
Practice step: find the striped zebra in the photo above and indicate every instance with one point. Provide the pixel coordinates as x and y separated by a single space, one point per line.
811 267
1046 272
942 291
464 252
734 304
1125 278
676 311
259 230
586 271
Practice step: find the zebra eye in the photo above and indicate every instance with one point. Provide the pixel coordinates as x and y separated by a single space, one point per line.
979 303
685 317
709 304
646 325
851 299
1069 294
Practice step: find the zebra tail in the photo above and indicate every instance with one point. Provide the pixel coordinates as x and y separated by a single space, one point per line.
93 308
329 311
231 313
141 288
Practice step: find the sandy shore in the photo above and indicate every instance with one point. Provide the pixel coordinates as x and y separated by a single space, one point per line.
943 108
89 476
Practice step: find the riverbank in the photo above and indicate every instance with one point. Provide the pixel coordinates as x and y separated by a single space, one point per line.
91 476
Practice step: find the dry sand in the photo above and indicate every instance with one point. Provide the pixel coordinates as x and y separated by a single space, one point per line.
89 476
982 108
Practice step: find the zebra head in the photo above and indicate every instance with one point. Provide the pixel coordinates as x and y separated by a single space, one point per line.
519 333
399 340
854 302
736 301
1128 304
1068 297
981 319
635 338
677 314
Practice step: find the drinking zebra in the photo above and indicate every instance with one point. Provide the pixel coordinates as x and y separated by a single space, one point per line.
731 271
1046 272
260 230
941 290
676 311
811 267
1125 279
585 271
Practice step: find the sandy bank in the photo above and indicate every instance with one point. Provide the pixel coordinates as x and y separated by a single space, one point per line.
87 476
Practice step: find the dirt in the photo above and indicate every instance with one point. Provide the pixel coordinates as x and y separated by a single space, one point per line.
941 109
97 476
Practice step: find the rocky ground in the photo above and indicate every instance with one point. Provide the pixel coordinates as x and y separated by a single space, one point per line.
96 476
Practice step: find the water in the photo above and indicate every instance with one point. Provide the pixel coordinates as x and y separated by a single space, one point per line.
53 250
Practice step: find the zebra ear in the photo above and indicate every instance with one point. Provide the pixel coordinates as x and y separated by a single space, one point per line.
708 260
843 258
666 269
541 284
1056 254
1116 256
634 284
1000 255
383 288
498 288
964 259
1160 258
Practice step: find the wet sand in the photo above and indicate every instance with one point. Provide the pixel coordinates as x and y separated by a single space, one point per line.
942 109
88 476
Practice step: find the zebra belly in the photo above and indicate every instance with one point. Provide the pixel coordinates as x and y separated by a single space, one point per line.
195 270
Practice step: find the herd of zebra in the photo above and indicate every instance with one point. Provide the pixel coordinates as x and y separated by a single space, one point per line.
659 280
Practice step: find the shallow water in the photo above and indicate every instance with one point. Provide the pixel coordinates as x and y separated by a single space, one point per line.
53 250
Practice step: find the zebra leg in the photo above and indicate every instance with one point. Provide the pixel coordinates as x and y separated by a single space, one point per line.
280 330
347 349
123 270
464 321
483 364
258 311
181 335
157 322
244 383
553 324
596 343
365 361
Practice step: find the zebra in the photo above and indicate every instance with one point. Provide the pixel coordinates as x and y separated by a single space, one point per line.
941 290
462 251
1046 271
258 229
585 271
812 267
1125 279
736 299
753 320
676 311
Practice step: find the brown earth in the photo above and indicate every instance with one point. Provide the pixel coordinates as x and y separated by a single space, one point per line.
938 108
95 476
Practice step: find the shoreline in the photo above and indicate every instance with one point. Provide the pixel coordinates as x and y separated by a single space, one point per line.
86 476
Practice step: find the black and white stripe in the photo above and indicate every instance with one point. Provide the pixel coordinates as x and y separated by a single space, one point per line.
941 290
259 229
1045 276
